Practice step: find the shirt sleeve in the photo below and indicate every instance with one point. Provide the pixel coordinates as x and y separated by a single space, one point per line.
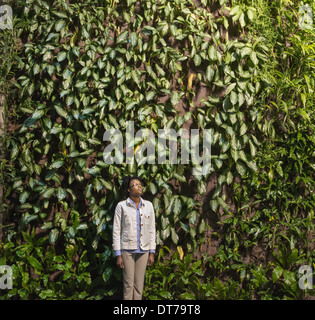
152 231
117 228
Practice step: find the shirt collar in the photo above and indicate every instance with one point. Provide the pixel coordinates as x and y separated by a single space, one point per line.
130 202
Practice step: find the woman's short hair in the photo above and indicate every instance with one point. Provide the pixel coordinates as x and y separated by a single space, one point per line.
126 182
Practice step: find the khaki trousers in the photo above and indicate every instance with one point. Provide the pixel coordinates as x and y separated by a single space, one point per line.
133 274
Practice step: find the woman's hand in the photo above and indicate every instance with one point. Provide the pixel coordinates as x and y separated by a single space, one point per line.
120 262
151 259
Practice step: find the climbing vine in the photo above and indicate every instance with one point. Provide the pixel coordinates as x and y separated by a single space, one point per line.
86 67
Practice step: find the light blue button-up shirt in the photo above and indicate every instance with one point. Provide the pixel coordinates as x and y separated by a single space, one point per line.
138 250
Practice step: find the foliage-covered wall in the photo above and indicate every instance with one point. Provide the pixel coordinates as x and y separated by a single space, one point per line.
244 69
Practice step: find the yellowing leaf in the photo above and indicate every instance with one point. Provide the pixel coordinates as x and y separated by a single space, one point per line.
181 252
191 77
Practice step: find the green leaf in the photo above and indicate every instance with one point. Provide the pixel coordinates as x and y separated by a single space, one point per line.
252 148
61 193
36 68
31 89
175 98
130 105
66 73
160 70
29 122
27 218
241 169
85 33
59 14
212 52
184 226
202 227
107 184
164 29
230 88
76 51
174 236
88 110
64 93
60 24
165 233
135 76
235 10
243 129
133 39
80 84
252 165
68 139
51 69
61 56
94 141
82 226
47 56
122 37
53 236
289 278
61 111
57 164
48 192
229 178
242 20
94 170
107 274
233 97
177 206
153 188
251 13
253 57
17 184
223 204
276 273
279 168
193 216
26 155
14 152
201 187
51 36
165 222
246 51
234 154
50 174
24 196
214 204
210 73
35 263
150 95
44 294
304 114
197 60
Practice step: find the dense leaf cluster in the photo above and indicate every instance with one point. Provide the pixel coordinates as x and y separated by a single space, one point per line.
242 69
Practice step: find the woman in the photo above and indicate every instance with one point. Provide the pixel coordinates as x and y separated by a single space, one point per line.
134 237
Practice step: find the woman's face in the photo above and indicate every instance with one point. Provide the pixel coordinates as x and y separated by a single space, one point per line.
135 188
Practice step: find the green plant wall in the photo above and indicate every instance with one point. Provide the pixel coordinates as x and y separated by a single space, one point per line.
244 69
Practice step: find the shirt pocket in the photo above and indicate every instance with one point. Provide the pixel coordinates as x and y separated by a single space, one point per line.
127 219
127 226
147 218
